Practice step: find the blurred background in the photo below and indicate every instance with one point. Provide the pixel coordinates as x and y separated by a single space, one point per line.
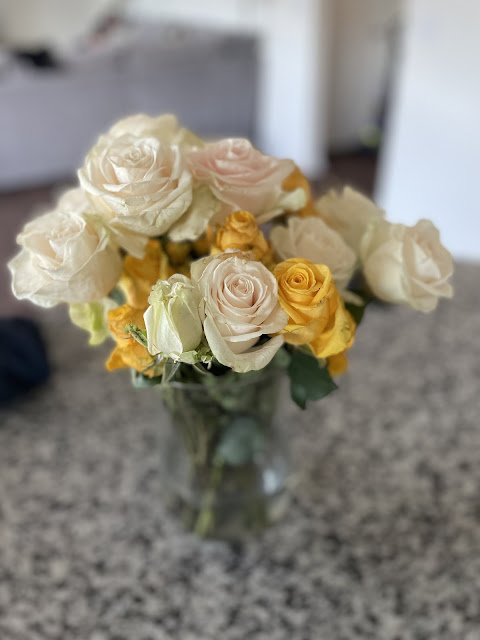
382 94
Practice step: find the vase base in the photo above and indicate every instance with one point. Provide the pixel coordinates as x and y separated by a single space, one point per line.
235 522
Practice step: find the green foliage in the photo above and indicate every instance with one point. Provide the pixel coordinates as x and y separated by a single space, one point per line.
170 369
92 317
117 296
139 381
357 310
140 335
281 359
309 380
240 441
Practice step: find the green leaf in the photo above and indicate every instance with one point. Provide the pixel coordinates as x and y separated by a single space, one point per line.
281 359
92 317
308 379
240 442
356 310
139 381
117 296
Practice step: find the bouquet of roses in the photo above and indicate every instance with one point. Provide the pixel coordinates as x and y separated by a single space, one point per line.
209 263
214 256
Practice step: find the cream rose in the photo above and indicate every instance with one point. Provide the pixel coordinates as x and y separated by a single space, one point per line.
349 213
242 177
195 220
407 265
164 127
65 257
172 320
314 240
137 183
239 304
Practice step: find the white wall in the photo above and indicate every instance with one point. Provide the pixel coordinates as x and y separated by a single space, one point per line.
360 57
431 161
293 51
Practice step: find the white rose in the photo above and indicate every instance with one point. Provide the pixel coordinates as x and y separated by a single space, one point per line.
164 127
136 183
350 213
314 240
242 177
407 265
172 320
196 218
76 201
239 304
65 257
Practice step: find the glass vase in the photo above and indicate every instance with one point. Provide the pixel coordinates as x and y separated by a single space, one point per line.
225 457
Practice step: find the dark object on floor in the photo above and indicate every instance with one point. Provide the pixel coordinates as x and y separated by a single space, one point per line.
23 358
40 59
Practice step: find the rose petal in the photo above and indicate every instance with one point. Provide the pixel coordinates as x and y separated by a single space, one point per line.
251 360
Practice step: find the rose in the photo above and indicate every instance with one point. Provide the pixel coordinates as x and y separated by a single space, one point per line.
65 257
195 220
164 127
239 304
350 213
317 316
407 265
240 231
241 176
296 182
312 239
137 183
139 275
129 353
172 320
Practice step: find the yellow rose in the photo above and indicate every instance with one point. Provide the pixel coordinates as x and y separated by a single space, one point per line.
203 245
337 364
318 318
129 352
178 253
139 275
240 231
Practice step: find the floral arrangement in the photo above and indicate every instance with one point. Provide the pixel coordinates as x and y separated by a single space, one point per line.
214 270
199 258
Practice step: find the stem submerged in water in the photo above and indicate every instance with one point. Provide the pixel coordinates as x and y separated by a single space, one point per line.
226 462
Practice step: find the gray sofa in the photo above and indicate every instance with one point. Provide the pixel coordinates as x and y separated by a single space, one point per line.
50 118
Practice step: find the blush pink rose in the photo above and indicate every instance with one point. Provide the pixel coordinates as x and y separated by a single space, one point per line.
238 305
241 176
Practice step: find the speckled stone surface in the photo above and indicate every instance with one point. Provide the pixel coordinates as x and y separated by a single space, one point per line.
382 541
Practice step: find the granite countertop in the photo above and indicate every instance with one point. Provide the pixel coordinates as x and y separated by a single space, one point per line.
382 541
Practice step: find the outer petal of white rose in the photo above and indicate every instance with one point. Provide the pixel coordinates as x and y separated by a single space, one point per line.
287 201
133 243
161 336
276 321
425 298
151 216
163 127
96 279
151 220
252 360
28 281
385 273
195 220
350 213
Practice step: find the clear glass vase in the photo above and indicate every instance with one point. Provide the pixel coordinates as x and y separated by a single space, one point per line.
225 457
